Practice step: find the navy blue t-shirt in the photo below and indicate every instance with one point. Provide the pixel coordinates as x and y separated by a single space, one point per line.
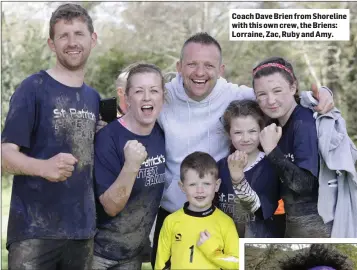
300 145
47 118
264 181
124 236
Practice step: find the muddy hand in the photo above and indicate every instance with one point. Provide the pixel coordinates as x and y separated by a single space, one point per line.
269 137
135 154
59 167
236 164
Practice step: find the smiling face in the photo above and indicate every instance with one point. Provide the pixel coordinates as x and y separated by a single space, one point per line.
145 97
199 191
72 43
275 95
244 133
200 68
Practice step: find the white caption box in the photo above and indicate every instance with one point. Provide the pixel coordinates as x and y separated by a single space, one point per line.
289 24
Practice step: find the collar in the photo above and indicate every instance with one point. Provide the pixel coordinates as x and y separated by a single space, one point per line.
260 156
205 213
322 268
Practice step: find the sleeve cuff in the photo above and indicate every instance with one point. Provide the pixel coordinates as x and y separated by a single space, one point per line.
328 89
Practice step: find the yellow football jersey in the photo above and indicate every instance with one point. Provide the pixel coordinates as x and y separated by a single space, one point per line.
181 231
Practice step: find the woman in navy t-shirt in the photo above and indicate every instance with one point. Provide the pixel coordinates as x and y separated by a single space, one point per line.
245 168
129 170
291 146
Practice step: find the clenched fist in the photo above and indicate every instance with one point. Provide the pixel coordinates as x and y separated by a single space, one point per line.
59 167
269 137
204 236
236 164
135 154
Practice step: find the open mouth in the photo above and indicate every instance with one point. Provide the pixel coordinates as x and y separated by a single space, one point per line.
199 82
200 198
73 53
147 109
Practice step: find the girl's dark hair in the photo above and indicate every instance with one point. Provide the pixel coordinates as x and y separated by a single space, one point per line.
239 108
284 68
143 68
317 255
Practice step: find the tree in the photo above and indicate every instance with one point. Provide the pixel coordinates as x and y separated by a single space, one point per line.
350 250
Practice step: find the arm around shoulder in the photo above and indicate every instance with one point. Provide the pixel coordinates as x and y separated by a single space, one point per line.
245 92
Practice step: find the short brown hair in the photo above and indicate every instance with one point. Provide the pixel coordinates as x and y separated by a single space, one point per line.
68 12
202 38
201 162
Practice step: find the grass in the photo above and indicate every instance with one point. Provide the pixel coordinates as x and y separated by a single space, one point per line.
3 253
5 203
146 266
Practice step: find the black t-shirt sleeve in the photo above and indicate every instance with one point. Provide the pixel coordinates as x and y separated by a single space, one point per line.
21 117
107 161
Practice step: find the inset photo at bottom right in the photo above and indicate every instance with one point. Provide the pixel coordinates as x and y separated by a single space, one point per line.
314 256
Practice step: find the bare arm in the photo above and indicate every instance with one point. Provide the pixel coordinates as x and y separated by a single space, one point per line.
57 168
17 163
116 196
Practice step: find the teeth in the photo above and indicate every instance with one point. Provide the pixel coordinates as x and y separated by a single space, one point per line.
199 81
147 107
73 52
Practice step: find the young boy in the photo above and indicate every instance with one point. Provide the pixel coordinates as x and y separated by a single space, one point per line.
198 236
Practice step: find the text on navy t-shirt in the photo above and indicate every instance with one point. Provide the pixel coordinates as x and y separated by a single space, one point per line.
46 118
123 236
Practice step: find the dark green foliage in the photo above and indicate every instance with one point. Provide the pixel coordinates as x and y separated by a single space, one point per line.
108 66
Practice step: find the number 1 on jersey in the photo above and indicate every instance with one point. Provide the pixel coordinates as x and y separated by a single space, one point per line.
192 248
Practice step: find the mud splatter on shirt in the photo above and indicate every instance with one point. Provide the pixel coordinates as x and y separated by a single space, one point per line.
296 161
123 237
47 118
